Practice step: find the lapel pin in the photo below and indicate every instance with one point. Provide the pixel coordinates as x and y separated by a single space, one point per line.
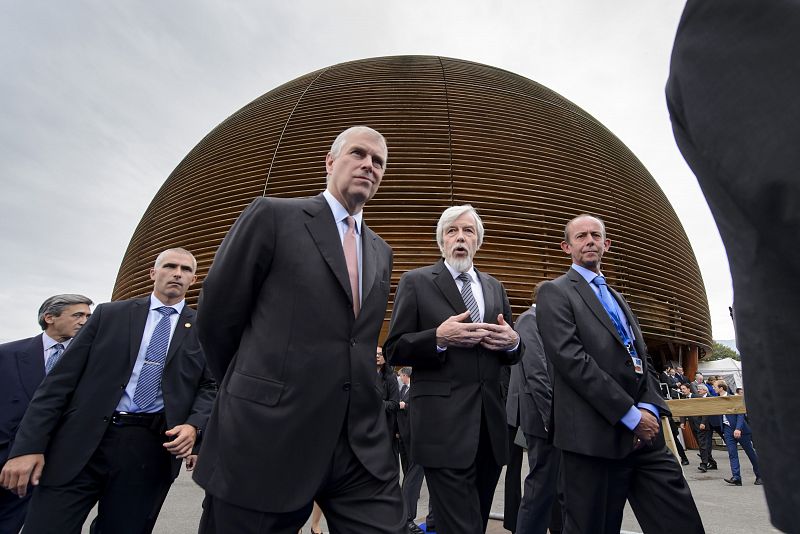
188 325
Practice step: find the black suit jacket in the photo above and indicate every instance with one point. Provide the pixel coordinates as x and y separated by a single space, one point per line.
403 419
71 410
452 388
276 308
530 393
594 381
21 372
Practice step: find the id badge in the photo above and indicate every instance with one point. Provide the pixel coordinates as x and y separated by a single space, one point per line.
637 365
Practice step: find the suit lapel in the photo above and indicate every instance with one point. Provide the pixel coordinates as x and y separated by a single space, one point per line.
185 323
444 281
139 311
369 259
31 365
592 302
323 231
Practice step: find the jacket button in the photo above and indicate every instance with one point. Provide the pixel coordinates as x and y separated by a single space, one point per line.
105 419
346 386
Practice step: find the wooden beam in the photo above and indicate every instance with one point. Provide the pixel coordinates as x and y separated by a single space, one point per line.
707 406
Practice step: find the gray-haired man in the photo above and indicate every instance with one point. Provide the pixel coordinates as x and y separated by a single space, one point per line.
23 365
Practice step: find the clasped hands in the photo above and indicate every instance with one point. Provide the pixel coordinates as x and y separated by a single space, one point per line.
458 333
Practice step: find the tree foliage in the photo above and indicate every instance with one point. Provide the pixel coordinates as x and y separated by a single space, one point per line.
720 352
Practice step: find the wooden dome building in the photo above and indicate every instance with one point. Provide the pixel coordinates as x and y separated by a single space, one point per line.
458 132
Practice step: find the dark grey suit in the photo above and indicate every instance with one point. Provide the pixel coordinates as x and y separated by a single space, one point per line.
594 387
68 418
21 372
458 419
528 407
297 371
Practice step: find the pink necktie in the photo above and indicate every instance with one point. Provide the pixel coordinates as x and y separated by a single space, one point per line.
351 257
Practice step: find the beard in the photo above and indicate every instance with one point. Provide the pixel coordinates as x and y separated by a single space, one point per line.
461 265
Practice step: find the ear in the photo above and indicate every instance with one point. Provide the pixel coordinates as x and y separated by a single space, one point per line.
152 273
566 248
329 159
607 243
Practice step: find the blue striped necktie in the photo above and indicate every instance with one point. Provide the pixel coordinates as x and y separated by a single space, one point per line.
469 298
155 357
52 360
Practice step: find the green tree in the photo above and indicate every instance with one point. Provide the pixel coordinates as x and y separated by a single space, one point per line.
720 352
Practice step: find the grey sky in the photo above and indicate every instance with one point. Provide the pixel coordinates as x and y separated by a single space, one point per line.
101 100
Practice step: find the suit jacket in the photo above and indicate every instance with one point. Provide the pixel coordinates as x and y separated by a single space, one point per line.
530 394
276 308
403 417
386 382
71 410
738 421
21 372
595 383
452 388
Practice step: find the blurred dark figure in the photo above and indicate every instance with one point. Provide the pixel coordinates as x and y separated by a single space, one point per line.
732 95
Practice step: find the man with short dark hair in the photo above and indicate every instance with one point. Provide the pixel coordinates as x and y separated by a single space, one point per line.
23 365
606 399
113 420
453 325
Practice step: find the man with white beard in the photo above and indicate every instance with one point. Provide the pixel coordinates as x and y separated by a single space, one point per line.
453 325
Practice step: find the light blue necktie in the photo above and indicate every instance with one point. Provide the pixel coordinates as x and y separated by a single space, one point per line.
610 306
52 360
469 298
155 357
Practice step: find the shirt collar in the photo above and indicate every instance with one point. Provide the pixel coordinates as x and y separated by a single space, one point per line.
48 342
586 273
155 303
455 274
339 211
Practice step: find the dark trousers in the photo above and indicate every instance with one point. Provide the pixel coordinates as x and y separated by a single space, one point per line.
351 499
462 498
595 490
702 437
12 511
129 475
733 453
673 424
541 485
513 482
710 441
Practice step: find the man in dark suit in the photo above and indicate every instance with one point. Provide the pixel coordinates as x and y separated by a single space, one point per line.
413 474
458 429
300 285
606 399
732 96
112 421
702 432
528 407
23 365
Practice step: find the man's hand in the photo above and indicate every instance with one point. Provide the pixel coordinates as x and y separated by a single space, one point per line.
183 438
737 434
702 426
501 336
21 470
454 331
402 405
647 429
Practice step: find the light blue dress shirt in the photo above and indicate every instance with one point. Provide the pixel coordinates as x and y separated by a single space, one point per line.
126 403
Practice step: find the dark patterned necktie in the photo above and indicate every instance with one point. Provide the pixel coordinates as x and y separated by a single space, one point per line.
52 360
469 298
155 357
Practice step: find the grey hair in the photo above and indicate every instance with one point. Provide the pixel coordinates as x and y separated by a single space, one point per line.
338 143
179 250
451 214
405 371
56 304
581 216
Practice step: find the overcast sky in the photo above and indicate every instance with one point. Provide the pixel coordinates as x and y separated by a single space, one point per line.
101 100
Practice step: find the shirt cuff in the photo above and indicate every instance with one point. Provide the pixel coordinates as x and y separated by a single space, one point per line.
440 349
652 408
632 418
515 347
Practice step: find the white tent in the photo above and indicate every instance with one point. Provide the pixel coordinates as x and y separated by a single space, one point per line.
728 368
